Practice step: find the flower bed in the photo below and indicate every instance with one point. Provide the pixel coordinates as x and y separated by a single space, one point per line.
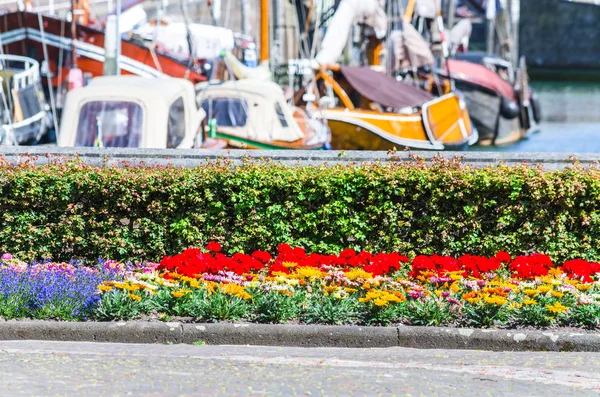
360 288
50 290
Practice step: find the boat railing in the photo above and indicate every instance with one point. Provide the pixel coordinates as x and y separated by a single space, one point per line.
29 73
49 7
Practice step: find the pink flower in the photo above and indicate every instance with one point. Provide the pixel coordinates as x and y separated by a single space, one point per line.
6 257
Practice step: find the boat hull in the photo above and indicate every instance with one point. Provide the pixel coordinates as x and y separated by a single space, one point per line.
21 35
441 124
485 110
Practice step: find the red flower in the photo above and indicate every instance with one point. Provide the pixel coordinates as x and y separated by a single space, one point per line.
262 256
581 269
283 248
531 266
213 246
503 257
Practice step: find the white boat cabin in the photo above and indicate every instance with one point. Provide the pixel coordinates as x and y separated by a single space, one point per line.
133 112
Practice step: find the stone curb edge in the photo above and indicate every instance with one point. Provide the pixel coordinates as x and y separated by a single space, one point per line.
301 335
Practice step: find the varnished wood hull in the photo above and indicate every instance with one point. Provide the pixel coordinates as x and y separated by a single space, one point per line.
21 35
441 125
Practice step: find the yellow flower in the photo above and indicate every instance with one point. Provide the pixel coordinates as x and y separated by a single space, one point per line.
457 275
550 280
380 302
529 302
309 272
105 288
557 308
135 297
351 290
178 294
455 287
382 298
330 288
584 287
472 297
366 286
544 289
557 294
118 285
289 265
555 271
235 290
496 300
531 292
358 273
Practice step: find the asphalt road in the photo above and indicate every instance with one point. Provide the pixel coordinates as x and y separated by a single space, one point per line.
33 368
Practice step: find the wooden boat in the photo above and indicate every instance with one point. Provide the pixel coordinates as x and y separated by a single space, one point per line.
370 110
376 112
21 35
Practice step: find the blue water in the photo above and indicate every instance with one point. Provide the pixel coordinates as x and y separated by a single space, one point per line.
571 120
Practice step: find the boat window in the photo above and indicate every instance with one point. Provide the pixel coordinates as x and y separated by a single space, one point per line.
110 124
280 115
229 112
176 127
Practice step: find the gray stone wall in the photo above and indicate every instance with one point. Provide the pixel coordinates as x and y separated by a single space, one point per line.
197 157
560 34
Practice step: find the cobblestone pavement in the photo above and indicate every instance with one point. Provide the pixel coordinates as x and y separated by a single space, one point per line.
33 368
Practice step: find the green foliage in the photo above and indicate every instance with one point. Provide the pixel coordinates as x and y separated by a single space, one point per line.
480 315
320 308
275 306
72 210
117 305
429 312
533 316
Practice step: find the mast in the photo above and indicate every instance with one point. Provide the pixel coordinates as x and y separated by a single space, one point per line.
491 19
278 32
451 13
73 35
264 30
245 17
410 10
118 29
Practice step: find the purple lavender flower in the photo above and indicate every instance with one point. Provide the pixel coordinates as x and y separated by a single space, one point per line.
50 290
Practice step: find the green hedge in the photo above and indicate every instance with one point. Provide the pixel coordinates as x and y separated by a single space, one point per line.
72 210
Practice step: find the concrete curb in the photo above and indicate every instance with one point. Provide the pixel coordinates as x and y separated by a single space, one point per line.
302 335
199 157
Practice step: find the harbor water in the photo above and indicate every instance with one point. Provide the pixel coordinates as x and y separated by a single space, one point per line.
571 120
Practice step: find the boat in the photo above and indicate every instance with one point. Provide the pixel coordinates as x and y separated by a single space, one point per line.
377 112
252 114
23 34
25 116
499 99
366 108
496 89
132 112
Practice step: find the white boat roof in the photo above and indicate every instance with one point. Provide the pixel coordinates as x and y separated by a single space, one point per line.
154 95
256 87
140 87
